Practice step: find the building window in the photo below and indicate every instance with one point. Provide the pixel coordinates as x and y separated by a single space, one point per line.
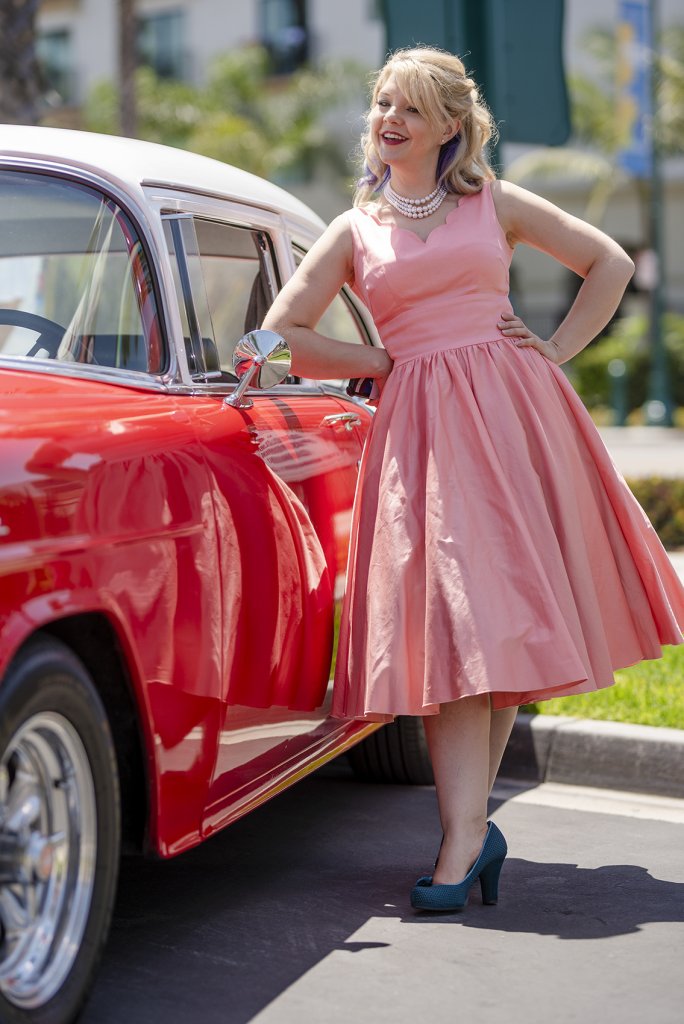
160 43
284 33
54 56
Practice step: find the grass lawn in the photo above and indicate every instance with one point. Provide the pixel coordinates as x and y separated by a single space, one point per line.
651 693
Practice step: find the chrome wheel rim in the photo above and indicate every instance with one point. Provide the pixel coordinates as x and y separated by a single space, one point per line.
48 846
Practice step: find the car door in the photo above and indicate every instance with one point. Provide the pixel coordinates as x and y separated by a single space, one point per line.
283 473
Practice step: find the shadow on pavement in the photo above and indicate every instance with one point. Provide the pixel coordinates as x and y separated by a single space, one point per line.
218 933
570 902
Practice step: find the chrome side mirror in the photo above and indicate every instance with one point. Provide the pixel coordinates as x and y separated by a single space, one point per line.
261 360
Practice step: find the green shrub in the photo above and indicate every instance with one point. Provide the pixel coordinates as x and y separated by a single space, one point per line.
628 340
662 499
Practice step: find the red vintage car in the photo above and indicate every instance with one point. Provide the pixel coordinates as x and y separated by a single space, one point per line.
172 542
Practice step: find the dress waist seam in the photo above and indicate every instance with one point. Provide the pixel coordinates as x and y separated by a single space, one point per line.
399 360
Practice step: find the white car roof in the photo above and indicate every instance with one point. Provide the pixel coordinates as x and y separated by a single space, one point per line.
131 164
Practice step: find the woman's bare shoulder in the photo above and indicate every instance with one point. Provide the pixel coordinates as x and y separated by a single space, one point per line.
512 201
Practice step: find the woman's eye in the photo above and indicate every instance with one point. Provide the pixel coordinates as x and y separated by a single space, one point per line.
413 110
383 103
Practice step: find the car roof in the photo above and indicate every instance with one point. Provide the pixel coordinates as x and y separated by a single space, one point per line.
132 164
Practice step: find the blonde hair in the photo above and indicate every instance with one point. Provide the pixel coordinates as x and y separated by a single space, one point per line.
436 83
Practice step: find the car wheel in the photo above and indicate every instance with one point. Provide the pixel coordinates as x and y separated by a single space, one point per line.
59 835
396 753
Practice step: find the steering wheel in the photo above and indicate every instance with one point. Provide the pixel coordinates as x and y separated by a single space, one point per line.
50 333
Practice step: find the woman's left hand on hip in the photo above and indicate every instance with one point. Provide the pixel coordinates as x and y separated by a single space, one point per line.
514 328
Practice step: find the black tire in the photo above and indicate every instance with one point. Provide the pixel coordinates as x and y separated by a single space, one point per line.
56 749
396 753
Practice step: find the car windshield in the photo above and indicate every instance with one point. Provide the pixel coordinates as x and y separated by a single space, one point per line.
74 281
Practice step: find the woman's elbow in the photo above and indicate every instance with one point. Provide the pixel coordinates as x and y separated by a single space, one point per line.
621 264
279 323
616 263
627 266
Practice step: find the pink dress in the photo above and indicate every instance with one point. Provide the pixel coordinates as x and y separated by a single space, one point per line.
495 547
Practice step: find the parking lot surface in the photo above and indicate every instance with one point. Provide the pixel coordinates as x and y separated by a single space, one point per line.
300 913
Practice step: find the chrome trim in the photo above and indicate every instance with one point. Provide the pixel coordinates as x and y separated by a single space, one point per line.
260 356
176 221
86 371
238 399
350 420
312 229
221 390
269 265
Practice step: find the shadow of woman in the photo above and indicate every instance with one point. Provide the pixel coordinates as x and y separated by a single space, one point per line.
571 902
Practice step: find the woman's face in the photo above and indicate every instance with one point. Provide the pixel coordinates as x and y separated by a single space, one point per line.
400 133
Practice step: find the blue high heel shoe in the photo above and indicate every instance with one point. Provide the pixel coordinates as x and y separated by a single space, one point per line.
487 867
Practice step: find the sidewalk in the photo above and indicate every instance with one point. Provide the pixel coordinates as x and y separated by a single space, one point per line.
677 559
646 451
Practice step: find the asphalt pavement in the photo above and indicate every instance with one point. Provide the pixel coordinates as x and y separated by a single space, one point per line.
299 914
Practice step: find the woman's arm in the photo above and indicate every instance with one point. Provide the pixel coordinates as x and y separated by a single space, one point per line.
303 301
605 267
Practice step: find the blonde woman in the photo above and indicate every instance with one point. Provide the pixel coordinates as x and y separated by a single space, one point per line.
497 557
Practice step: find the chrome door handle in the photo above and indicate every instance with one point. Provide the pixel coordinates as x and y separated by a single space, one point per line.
350 420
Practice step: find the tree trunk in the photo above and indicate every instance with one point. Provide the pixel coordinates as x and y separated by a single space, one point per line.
19 71
127 65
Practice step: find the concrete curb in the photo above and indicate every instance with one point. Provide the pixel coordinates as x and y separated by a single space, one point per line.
612 755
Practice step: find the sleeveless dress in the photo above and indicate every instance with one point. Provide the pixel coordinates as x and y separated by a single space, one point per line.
495 547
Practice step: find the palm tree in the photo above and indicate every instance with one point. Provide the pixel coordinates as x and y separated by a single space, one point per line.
19 72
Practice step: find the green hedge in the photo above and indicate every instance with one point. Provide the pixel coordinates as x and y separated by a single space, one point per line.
662 499
628 340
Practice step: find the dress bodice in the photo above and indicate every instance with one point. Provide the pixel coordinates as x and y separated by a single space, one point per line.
442 293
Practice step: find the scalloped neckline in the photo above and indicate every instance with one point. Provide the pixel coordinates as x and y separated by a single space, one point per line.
408 231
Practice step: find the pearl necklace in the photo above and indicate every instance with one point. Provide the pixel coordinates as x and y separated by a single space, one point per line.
415 207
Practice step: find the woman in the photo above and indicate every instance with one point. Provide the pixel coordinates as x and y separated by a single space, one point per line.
497 556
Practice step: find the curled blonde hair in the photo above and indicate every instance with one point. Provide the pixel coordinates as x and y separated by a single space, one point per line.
435 82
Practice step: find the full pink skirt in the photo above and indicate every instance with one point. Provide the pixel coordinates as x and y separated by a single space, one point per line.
495 547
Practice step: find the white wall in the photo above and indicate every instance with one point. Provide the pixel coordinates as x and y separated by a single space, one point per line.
347 28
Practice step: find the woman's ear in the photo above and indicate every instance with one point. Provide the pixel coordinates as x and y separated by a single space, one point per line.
450 129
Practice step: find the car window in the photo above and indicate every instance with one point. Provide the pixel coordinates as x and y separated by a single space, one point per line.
75 284
230 282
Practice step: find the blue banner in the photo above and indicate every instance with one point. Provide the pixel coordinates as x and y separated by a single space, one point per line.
634 106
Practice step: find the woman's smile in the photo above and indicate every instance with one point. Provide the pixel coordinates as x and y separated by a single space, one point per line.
392 138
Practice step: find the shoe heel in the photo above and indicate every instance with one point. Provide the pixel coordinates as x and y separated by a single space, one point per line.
489 882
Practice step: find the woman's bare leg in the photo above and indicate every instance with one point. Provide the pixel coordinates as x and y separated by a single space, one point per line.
499 732
466 740
458 738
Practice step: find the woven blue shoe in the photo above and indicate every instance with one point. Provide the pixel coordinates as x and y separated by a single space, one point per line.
487 867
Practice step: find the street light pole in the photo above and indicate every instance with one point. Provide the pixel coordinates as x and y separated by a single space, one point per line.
659 403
